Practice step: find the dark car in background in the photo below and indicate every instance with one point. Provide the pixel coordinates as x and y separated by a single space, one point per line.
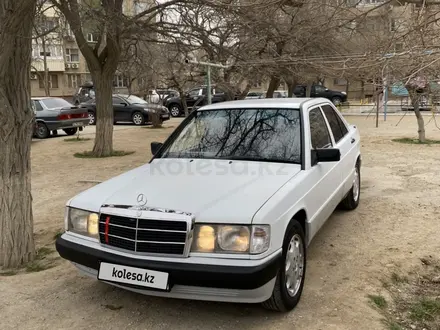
128 108
165 93
84 93
55 113
336 97
195 98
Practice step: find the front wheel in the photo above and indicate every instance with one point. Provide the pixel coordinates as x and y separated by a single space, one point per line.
175 110
290 279
70 131
138 118
337 100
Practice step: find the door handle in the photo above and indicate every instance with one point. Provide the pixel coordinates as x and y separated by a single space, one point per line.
353 140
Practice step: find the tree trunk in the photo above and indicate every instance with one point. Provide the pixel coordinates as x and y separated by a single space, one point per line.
16 123
309 89
362 89
155 118
245 92
183 98
291 87
104 113
415 101
46 70
273 85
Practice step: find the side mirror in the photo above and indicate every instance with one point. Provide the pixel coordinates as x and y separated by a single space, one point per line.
155 146
124 104
325 155
326 89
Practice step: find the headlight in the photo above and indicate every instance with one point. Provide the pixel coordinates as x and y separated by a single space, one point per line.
231 239
83 222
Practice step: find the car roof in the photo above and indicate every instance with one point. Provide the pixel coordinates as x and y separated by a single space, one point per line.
291 103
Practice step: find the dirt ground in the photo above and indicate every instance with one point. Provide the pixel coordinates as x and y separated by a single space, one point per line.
395 225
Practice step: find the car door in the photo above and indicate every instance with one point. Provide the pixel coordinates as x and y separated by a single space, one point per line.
346 140
193 96
299 91
120 109
319 91
325 177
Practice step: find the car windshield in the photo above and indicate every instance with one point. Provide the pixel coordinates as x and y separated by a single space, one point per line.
54 103
133 99
272 135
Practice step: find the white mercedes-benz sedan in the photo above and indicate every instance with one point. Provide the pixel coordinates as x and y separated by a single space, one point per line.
227 206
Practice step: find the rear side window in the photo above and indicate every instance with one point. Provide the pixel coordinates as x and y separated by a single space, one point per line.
320 136
38 106
336 124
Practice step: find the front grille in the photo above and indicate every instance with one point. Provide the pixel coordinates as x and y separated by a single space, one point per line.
143 235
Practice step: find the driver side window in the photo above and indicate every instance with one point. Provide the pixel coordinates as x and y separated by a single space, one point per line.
319 89
194 92
320 136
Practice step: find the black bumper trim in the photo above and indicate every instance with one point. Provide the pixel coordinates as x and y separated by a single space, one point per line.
213 276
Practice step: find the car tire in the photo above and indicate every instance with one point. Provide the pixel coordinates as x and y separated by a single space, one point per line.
92 118
285 299
337 100
138 118
351 201
70 131
42 132
175 110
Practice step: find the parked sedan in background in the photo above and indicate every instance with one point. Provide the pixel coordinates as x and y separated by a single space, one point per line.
253 95
128 108
55 113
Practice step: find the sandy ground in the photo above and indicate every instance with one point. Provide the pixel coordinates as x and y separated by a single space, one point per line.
395 224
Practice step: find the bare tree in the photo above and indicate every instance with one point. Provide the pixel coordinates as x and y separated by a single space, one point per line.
112 26
16 118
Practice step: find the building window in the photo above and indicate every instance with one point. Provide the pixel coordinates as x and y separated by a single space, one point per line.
120 81
92 37
53 81
72 55
53 51
73 80
139 7
339 82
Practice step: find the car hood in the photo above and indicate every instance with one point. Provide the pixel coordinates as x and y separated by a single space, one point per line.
212 190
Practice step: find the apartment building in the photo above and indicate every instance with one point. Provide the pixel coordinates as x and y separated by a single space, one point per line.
56 52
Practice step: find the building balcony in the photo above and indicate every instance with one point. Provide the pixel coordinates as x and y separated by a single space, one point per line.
53 65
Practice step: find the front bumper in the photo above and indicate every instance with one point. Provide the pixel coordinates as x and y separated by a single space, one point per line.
165 116
215 282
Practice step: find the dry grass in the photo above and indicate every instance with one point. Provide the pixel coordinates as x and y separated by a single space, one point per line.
115 153
415 298
415 141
